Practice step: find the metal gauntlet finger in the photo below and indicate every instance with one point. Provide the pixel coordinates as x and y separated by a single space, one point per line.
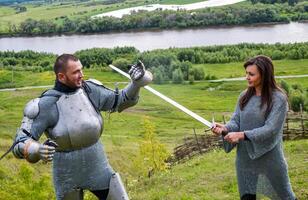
132 68
139 73
47 152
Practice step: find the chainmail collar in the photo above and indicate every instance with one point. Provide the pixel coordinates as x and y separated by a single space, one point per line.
61 87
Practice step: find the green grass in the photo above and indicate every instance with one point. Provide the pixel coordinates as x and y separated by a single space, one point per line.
210 176
28 78
73 10
282 67
52 11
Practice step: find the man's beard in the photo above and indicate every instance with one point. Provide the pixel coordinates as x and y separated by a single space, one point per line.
71 83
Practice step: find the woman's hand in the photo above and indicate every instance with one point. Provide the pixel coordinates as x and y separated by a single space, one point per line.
234 137
218 129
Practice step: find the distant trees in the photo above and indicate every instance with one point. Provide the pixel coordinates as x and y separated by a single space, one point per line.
26 60
232 15
290 2
122 63
20 9
170 65
177 76
34 27
103 56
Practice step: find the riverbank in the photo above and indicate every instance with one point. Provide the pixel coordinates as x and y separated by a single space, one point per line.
142 30
166 19
162 39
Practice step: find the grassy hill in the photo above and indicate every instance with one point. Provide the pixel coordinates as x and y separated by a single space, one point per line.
208 176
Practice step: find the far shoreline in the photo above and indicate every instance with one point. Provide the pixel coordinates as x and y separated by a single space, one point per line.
262 24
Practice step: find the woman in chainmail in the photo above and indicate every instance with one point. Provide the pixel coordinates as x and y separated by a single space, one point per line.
256 130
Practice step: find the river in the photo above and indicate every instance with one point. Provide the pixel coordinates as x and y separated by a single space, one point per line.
149 40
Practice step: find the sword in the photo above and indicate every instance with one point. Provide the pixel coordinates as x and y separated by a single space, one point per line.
172 102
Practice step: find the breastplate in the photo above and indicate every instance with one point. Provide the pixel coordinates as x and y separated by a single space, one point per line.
79 125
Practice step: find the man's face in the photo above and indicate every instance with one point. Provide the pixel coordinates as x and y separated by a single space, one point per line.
73 75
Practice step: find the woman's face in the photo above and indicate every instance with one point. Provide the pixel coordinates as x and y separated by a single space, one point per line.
253 76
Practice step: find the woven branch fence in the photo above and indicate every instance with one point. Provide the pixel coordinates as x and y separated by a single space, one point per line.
296 127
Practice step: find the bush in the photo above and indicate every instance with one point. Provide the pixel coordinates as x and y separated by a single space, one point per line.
297 99
158 77
191 79
285 86
198 73
297 87
177 76
277 55
210 77
152 153
122 63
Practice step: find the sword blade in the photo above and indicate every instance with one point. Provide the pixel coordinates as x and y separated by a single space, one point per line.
172 102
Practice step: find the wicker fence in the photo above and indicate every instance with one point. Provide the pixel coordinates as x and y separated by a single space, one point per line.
296 127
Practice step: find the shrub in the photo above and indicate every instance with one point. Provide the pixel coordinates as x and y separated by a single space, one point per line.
297 99
152 154
285 86
198 73
158 77
122 63
177 76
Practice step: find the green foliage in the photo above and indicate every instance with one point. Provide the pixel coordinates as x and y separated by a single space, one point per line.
213 176
297 96
186 55
163 19
297 100
104 56
25 184
185 68
285 86
158 77
197 73
122 63
152 153
290 2
163 63
210 77
206 173
26 60
177 76
191 79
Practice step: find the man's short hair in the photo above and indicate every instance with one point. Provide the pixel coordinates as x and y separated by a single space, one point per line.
61 62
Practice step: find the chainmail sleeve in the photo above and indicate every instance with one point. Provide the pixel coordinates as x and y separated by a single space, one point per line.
266 137
105 99
233 126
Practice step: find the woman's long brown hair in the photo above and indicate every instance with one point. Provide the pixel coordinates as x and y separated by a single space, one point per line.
266 69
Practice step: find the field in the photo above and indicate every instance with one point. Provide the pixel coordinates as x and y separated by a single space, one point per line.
70 9
209 176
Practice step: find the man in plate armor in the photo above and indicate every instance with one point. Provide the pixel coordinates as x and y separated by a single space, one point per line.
69 114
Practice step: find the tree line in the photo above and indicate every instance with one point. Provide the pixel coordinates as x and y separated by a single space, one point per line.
290 2
227 15
174 64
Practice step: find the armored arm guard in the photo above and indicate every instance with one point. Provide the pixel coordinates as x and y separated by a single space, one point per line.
105 99
33 125
140 77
